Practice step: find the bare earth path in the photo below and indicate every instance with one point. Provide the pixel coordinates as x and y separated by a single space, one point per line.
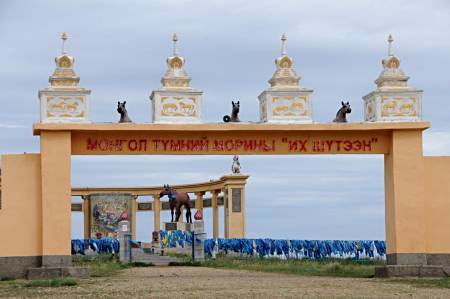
199 282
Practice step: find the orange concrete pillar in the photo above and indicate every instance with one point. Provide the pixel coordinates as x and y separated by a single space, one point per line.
215 213
225 213
405 199
133 216
199 200
56 198
234 205
156 206
87 216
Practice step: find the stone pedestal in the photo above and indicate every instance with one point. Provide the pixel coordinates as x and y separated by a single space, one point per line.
199 239
124 239
169 226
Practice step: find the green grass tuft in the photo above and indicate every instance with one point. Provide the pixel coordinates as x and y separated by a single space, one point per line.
53 283
100 265
188 263
328 267
140 264
443 283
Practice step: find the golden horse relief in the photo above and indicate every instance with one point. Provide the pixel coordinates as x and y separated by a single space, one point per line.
187 108
406 108
72 107
280 110
297 106
57 107
169 108
391 106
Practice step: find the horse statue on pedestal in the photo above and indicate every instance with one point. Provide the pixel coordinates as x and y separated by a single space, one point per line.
176 201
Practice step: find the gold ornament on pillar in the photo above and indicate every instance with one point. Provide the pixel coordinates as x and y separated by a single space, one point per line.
176 101
64 76
393 99
285 75
284 101
391 76
64 100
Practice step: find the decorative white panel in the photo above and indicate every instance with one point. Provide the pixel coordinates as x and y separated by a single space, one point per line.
173 107
285 106
64 107
393 106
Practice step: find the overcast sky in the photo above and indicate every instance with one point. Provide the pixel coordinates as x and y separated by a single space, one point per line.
120 49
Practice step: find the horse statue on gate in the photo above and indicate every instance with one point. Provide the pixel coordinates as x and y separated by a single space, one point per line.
342 112
123 112
176 200
234 118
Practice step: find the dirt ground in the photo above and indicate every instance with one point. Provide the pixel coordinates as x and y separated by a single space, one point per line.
199 282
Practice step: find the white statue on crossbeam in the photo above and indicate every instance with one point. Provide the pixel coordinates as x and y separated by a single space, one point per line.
236 167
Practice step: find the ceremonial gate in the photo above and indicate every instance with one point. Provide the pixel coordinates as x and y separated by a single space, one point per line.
414 205
35 211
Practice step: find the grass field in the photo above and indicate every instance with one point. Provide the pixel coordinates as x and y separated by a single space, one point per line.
329 267
107 265
103 265
100 265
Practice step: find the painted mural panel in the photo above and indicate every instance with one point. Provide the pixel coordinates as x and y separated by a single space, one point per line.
107 210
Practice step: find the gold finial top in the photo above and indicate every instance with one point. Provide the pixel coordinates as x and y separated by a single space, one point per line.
175 39
283 44
390 40
64 39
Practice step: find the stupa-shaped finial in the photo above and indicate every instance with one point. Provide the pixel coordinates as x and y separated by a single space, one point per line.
285 75
391 77
283 44
64 100
175 76
175 39
393 99
64 38
390 40
285 101
176 101
64 76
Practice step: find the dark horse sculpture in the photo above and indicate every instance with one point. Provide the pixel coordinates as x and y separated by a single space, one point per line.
234 113
176 200
342 112
123 112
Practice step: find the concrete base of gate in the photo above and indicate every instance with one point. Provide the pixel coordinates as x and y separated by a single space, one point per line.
57 272
415 265
412 271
